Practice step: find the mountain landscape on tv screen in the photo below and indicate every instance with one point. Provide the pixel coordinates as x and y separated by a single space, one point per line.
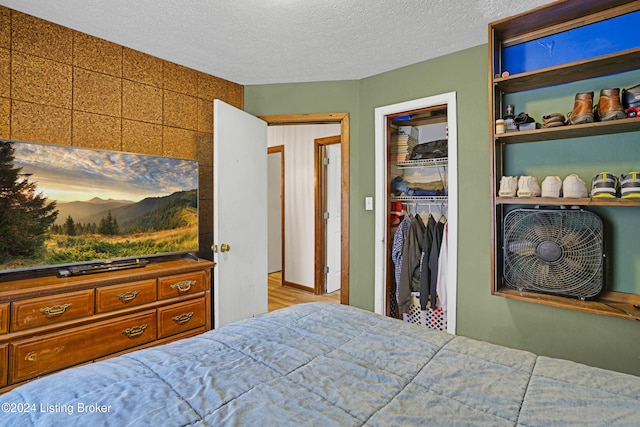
90 205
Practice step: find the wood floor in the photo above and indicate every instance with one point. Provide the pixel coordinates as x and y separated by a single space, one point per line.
283 296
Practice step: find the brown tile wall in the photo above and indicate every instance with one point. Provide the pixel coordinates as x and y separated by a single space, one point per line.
64 87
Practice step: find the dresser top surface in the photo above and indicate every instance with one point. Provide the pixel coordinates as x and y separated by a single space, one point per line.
51 284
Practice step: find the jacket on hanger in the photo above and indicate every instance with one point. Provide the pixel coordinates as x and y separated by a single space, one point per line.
396 249
425 266
410 268
443 262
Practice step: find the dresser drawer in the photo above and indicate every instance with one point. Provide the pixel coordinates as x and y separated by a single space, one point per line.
47 310
47 353
181 317
4 318
4 364
181 284
132 294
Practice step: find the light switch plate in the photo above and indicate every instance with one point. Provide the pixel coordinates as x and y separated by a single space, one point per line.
368 203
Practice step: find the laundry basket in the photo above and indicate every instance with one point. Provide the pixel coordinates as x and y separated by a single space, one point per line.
431 318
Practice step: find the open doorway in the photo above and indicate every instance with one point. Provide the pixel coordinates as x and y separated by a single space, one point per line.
342 119
303 181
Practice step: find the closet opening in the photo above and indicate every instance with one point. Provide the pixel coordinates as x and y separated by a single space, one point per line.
416 211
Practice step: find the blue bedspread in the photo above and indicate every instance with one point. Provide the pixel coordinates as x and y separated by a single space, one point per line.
325 364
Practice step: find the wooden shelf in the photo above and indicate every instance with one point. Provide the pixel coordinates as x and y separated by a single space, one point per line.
552 201
571 131
557 17
605 65
609 303
544 21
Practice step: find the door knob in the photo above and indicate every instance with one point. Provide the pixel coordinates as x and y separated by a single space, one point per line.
225 247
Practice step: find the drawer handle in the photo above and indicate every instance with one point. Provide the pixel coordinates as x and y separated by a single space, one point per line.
183 286
55 310
183 318
135 331
128 296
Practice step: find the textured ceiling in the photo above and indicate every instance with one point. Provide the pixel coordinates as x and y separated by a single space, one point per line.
275 41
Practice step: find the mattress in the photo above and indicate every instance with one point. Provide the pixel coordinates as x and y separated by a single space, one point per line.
324 364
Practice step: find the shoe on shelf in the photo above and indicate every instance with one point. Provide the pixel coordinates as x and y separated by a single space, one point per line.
609 107
631 97
523 118
551 186
553 120
574 188
528 186
508 186
630 185
582 109
604 186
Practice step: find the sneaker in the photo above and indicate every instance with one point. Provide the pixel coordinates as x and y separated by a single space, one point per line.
551 186
508 186
528 186
604 186
631 97
630 185
573 187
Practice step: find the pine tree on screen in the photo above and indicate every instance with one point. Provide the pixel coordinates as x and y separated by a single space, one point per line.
25 215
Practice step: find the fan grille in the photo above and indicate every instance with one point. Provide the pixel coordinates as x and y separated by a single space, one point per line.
554 251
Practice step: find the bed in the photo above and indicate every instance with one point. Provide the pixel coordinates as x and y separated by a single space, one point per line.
324 364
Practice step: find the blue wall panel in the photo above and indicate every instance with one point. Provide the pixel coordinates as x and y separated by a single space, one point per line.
597 39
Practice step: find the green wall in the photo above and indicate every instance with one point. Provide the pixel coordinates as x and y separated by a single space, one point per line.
591 339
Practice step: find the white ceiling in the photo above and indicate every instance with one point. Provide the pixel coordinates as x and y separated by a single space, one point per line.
276 41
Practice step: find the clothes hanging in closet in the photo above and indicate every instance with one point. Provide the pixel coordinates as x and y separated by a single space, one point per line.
443 263
420 262
397 249
410 266
429 262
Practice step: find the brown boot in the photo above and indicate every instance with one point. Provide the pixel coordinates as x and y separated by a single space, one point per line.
582 109
609 107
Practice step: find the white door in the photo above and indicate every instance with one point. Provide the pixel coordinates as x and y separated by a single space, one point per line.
239 215
333 238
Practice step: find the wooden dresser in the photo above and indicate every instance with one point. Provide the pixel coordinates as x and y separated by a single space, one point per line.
50 323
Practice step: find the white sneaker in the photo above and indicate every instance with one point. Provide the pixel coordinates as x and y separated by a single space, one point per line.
573 187
551 186
528 186
508 186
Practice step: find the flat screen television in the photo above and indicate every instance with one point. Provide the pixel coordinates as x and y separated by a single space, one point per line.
74 210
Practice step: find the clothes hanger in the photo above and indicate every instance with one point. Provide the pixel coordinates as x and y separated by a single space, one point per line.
443 218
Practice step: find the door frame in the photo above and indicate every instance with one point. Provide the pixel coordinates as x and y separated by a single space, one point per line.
272 150
382 191
343 120
320 184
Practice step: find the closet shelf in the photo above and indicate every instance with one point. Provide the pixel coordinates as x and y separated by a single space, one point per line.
443 161
438 199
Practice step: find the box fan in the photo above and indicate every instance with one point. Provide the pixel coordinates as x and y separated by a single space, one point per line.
554 251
